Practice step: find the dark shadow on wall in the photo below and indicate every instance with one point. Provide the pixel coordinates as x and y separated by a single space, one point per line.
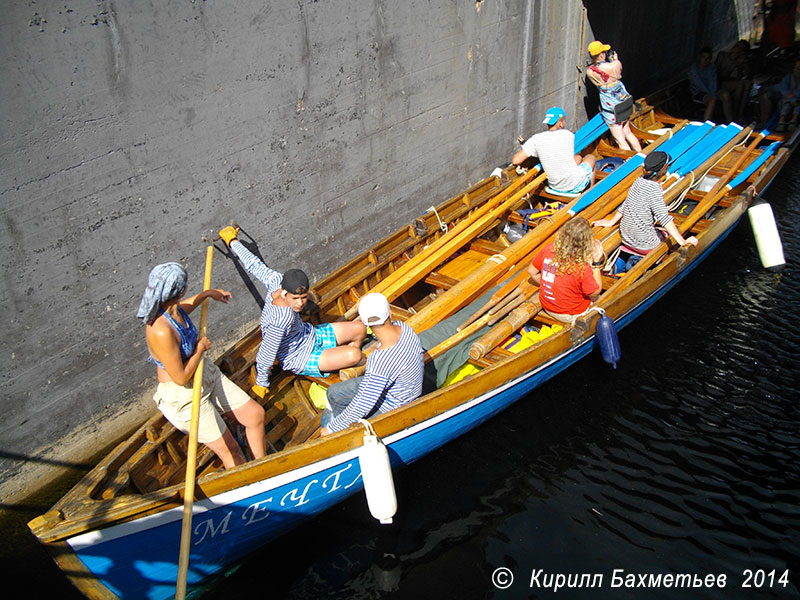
657 41
15 457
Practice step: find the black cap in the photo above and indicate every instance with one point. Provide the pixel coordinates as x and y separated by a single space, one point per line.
295 281
655 161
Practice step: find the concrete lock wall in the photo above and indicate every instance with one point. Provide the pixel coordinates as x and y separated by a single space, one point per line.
132 129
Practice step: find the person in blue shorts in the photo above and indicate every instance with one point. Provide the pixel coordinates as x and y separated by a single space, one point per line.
299 346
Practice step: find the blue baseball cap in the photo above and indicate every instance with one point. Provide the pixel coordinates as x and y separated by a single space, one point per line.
554 113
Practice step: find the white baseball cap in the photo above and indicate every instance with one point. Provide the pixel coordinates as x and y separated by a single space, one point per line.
373 309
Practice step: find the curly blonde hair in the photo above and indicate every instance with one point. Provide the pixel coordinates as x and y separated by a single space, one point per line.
572 247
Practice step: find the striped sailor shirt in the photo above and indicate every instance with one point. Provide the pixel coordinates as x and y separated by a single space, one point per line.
643 207
393 377
284 335
556 152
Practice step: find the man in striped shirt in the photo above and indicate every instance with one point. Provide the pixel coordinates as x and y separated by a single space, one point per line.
299 346
393 374
566 171
643 208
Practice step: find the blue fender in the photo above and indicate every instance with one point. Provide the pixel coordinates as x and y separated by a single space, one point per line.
607 338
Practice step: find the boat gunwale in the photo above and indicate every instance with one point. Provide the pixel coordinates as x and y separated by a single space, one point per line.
525 363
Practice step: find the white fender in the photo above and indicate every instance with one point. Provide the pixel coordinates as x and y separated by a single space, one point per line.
376 471
768 240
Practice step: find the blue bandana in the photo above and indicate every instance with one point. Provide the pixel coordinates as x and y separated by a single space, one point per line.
165 282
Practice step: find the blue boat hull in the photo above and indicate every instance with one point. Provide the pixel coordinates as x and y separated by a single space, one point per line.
139 559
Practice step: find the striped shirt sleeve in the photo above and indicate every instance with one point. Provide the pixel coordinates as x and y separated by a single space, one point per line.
393 377
271 338
659 208
271 279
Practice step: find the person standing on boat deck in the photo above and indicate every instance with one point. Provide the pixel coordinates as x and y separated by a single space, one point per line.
566 171
605 72
299 346
567 271
393 374
642 208
174 348
704 85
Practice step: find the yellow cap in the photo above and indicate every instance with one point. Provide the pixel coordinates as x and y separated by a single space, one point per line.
596 47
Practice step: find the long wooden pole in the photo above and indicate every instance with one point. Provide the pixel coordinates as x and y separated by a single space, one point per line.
191 450
505 328
397 282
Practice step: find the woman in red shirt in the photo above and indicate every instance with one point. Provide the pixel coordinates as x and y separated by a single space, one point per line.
567 271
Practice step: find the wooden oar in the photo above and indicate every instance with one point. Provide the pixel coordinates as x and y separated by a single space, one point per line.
509 288
191 449
397 282
507 327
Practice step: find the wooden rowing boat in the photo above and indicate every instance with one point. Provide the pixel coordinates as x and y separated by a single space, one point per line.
117 532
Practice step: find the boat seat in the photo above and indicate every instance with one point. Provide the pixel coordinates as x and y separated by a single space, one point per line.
547 320
333 377
456 269
438 280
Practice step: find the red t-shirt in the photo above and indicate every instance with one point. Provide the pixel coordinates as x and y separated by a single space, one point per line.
566 294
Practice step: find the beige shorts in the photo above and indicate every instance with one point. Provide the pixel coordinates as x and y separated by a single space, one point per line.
560 317
220 395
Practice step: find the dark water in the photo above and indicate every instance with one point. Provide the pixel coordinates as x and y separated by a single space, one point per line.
684 460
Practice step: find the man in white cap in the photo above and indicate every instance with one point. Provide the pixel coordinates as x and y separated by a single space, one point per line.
566 171
393 374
